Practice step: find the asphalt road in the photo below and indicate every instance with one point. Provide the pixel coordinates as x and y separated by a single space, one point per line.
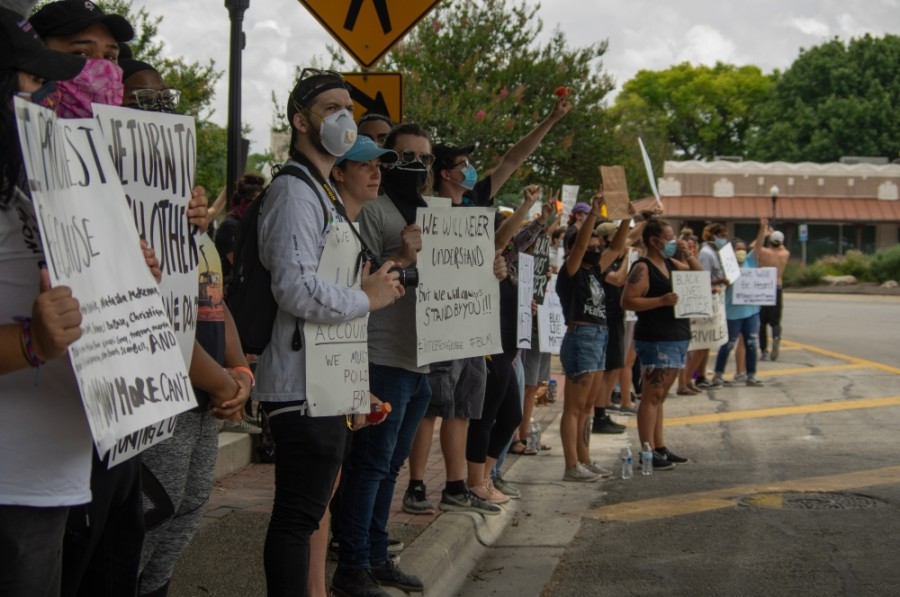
792 488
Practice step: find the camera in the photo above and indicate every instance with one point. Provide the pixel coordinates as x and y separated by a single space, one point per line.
409 277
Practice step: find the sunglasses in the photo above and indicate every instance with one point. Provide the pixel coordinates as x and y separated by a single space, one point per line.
150 99
409 155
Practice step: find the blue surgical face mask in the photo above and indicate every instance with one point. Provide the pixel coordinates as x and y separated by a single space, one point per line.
669 248
720 242
470 177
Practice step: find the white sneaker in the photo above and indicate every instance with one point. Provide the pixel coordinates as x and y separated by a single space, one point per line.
740 377
580 474
595 468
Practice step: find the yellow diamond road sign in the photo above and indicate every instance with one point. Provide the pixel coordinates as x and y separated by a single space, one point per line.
379 93
367 29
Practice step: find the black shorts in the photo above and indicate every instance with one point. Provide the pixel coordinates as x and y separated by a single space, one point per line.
615 344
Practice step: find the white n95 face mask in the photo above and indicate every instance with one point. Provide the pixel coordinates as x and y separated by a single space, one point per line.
338 132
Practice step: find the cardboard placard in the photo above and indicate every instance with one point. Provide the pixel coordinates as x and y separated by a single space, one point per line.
694 294
756 286
615 192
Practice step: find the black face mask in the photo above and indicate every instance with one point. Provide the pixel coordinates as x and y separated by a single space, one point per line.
591 258
402 182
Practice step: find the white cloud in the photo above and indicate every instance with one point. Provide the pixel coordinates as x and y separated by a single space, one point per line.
705 45
810 26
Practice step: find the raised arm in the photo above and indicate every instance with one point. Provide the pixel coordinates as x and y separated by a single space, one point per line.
573 259
512 224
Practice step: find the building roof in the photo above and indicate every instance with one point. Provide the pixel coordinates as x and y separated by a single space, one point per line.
799 209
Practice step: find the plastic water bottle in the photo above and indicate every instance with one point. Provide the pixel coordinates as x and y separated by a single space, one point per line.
627 463
551 391
646 459
534 436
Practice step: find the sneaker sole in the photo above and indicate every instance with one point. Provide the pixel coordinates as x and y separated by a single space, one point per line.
584 480
409 510
474 510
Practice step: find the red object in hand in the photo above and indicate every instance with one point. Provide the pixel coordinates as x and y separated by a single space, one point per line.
378 412
562 92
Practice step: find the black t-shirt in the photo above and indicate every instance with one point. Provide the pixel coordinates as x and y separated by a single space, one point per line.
581 296
226 242
613 293
659 324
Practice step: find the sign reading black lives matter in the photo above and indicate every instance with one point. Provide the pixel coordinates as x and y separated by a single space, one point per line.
127 362
458 298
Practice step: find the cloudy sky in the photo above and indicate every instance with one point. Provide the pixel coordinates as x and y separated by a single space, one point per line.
642 34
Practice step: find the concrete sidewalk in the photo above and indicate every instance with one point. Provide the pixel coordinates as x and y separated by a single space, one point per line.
225 558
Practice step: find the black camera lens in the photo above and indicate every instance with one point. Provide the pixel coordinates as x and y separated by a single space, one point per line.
409 278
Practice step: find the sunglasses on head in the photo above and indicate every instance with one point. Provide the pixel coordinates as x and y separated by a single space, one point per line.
149 99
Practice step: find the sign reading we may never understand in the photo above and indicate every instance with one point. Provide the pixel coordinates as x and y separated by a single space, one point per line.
127 363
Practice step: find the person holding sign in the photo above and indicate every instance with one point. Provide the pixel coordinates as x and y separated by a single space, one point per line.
295 223
660 340
743 320
45 442
583 351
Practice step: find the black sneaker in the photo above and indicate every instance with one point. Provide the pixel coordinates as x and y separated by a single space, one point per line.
388 573
356 582
662 464
606 425
670 456
467 502
416 502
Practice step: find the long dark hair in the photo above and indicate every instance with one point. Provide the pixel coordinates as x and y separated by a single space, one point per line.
12 166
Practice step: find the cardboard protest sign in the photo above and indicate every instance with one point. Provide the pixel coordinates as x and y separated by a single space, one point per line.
569 197
551 324
694 294
128 365
458 297
337 354
710 332
649 167
756 286
155 156
729 264
615 192
541 255
526 295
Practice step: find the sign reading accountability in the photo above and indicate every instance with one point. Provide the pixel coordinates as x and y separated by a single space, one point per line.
127 363
551 324
541 267
756 286
367 29
710 332
694 294
378 93
155 156
458 298
526 295
337 354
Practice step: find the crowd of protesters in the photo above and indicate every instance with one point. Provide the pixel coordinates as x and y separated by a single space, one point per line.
73 524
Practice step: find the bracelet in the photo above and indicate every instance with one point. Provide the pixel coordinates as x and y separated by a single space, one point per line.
26 344
248 372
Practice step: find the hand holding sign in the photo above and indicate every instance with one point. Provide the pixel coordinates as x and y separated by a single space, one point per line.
411 237
55 320
598 202
501 269
151 261
198 209
669 299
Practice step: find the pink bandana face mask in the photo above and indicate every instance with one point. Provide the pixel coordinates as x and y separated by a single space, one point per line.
100 82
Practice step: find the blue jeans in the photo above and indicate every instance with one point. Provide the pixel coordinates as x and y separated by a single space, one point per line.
376 455
749 327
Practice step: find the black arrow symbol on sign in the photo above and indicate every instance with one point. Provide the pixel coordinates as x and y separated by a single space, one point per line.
380 8
374 105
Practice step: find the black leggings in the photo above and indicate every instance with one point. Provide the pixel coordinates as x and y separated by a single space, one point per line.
501 414
770 316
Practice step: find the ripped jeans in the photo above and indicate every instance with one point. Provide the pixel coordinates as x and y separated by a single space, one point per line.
749 327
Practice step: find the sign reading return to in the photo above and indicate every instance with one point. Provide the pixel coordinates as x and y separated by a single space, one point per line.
337 354
458 298
756 286
127 363
155 156
694 294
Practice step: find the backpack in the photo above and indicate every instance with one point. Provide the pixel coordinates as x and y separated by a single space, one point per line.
249 296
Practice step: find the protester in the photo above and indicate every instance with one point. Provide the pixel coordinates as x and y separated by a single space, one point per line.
775 255
292 235
375 126
576 219
715 237
660 340
45 442
387 226
247 188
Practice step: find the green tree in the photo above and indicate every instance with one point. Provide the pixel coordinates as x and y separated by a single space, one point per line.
836 99
476 72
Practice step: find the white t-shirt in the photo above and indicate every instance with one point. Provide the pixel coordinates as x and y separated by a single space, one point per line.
45 441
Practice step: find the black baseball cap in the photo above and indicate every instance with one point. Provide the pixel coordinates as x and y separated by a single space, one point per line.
445 153
312 82
21 49
66 17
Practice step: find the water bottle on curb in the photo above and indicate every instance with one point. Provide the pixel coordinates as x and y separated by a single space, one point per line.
627 463
551 391
646 459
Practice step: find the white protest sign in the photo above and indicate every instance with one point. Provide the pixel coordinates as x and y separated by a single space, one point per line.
756 286
694 294
649 167
155 155
526 295
569 197
127 362
137 441
541 254
438 201
710 332
458 298
551 324
729 263
337 354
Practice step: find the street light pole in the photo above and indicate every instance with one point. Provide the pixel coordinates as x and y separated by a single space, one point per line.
236 9
774 193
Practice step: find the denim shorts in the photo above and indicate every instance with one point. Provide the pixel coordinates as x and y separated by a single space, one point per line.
583 350
670 354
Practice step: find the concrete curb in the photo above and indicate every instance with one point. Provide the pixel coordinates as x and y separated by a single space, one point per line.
235 452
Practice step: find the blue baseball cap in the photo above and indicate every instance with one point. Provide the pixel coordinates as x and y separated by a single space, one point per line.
364 149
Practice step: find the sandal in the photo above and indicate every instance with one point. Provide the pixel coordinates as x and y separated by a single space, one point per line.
518 448
545 447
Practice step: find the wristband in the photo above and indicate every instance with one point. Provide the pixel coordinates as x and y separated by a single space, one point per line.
248 372
26 344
